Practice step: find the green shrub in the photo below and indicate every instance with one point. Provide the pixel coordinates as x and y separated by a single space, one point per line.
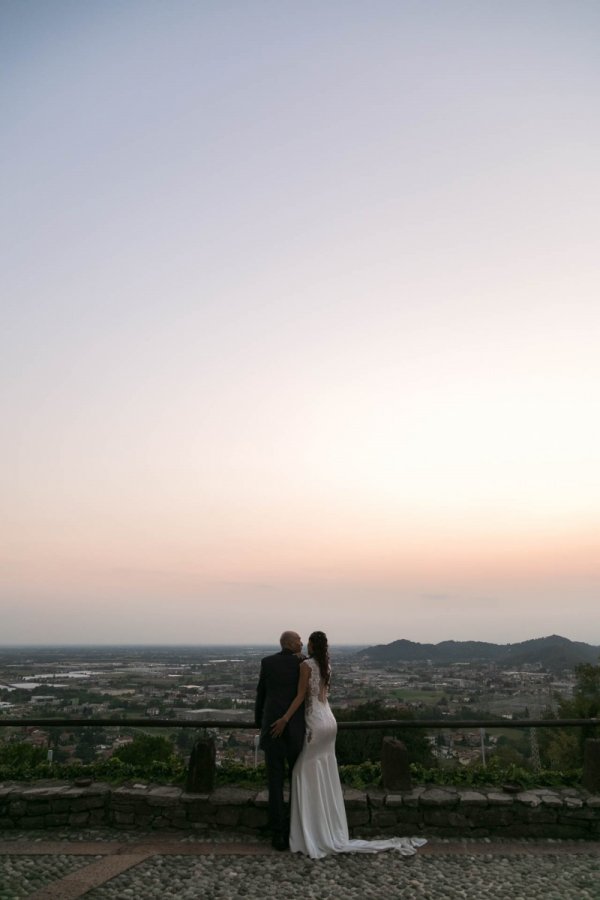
242 776
145 749
22 762
495 775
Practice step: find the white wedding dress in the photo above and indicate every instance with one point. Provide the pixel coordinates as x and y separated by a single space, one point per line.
318 824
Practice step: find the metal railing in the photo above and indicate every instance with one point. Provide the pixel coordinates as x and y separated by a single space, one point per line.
239 725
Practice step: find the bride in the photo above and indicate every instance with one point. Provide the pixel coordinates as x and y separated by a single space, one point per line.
318 823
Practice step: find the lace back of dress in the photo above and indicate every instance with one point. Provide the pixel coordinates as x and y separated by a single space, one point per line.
318 688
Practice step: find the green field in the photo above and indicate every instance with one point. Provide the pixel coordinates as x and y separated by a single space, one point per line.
410 695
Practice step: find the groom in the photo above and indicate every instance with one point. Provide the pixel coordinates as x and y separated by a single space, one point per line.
277 687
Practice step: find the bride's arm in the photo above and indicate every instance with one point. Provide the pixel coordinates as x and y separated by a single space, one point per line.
278 726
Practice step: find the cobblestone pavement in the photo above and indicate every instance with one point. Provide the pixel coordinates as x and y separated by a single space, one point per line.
109 865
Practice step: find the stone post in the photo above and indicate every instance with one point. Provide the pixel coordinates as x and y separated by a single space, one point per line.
591 765
395 766
202 767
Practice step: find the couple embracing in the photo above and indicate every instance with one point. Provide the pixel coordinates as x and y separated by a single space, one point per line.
298 729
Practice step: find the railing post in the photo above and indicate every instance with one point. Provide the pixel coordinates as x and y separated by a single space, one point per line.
202 767
591 765
395 771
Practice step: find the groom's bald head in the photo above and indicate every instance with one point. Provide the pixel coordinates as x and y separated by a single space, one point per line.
290 640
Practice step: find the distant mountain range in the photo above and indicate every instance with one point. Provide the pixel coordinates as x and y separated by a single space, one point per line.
552 652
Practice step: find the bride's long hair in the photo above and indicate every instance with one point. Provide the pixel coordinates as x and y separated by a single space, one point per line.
320 652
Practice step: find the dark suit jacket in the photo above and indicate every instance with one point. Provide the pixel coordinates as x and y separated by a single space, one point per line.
277 687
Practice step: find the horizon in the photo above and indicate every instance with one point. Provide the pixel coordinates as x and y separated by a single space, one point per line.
259 646
303 320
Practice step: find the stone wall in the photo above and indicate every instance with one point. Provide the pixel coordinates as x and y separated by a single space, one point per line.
542 813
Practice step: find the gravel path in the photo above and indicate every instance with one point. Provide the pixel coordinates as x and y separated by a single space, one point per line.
525 877
470 870
22 875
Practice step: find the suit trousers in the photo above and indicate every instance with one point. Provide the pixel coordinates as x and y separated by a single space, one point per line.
278 752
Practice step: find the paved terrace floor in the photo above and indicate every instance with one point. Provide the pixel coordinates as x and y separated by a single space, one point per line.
104 864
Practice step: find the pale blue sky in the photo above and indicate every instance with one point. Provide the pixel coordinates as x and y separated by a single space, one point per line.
301 320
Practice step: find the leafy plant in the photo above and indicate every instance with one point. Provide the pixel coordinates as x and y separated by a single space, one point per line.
495 775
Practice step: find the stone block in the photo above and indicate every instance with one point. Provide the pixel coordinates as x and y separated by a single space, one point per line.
384 818
408 829
261 799
232 796
94 789
8 790
395 800
31 822
164 796
376 797
491 818
540 815
123 818
60 805
358 817
442 818
411 798
17 808
87 803
55 819
142 806
228 815
574 815
128 794
80 818
354 799
123 804
573 802
528 798
252 817
72 792
495 798
197 812
42 793
472 798
144 820
552 800
438 797
593 802
6 823
97 816
366 832
38 807
409 815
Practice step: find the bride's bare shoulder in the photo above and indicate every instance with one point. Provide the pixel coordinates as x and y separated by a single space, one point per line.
308 665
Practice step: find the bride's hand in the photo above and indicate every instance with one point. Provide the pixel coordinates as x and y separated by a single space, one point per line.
278 727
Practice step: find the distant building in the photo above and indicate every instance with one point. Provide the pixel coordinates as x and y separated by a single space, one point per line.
220 715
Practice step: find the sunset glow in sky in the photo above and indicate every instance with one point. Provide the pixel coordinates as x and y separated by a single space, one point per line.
301 321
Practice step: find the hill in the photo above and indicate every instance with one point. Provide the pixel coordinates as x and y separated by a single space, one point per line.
553 652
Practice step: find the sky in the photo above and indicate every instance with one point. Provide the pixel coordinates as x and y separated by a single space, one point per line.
301 320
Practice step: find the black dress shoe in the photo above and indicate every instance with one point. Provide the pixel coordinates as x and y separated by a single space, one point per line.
280 842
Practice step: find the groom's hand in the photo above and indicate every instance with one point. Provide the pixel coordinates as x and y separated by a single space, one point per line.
278 727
